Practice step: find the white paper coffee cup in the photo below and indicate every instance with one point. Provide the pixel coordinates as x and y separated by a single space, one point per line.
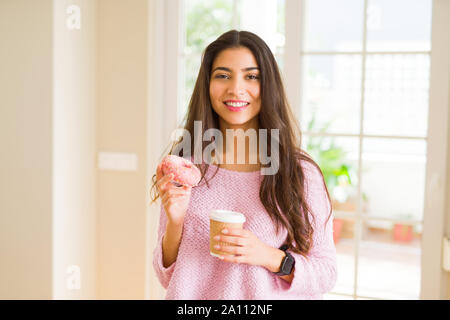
221 219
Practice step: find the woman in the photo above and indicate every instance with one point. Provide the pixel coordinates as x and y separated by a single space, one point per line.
286 249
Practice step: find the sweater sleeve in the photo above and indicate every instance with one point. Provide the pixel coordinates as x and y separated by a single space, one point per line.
164 274
315 274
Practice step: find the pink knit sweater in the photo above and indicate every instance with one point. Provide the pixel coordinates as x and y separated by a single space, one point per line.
197 275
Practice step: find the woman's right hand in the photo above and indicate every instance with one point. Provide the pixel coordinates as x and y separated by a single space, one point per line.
174 199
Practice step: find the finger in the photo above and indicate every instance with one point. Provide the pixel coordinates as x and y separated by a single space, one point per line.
232 258
176 191
169 202
164 179
162 184
166 197
174 198
240 241
238 232
159 173
230 249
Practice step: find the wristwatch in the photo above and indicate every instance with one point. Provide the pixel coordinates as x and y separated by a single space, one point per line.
287 264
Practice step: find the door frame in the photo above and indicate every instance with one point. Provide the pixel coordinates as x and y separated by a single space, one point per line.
434 280
164 94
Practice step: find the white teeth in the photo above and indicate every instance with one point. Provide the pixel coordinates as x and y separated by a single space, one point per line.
235 104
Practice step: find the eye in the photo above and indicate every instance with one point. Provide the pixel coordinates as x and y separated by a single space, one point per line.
221 76
253 76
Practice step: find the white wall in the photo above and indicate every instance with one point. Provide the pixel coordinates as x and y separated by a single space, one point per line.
393 189
122 115
26 149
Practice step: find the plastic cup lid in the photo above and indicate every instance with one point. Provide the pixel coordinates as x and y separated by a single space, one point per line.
227 216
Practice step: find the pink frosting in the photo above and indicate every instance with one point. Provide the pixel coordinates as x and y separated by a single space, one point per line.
185 172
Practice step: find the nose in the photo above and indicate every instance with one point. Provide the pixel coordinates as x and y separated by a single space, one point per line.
236 87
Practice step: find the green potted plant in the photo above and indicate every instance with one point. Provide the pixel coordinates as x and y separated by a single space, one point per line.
331 158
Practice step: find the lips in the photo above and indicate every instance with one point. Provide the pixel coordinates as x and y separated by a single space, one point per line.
238 105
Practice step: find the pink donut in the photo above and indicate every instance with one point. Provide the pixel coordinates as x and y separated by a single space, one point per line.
185 172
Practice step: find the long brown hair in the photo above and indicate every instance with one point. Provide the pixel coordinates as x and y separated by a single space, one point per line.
287 208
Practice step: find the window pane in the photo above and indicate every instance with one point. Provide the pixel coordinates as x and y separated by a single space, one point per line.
258 16
205 21
191 68
401 25
393 178
332 25
389 261
280 62
338 159
281 23
331 97
396 95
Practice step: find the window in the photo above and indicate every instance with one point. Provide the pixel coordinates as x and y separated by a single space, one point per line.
364 113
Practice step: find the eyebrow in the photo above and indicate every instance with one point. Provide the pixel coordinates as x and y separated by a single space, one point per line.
229 70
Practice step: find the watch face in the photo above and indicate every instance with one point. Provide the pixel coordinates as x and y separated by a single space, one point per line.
288 263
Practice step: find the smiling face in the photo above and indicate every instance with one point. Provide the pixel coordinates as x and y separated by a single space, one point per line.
235 88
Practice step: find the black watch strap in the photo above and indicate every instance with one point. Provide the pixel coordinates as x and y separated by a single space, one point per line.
287 264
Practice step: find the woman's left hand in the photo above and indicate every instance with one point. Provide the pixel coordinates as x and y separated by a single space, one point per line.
247 248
